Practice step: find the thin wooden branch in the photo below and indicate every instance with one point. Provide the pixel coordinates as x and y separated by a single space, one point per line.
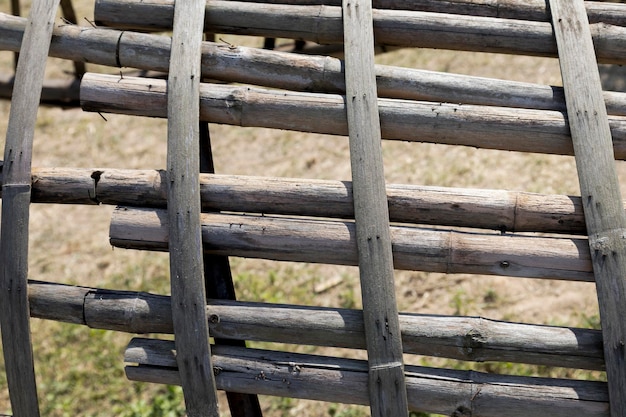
463 338
293 71
16 191
506 211
599 184
522 130
439 391
323 24
333 242
183 202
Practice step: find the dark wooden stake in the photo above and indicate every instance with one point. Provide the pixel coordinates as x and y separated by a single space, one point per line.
218 281
15 11
70 15
599 184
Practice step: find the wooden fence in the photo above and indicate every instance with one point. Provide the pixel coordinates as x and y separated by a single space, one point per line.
303 220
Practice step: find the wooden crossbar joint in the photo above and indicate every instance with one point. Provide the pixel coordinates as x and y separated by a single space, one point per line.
387 387
599 184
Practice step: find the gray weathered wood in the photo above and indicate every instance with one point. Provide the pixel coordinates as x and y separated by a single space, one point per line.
293 71
387 390
183 191
332 242
463 338
598 11
322 24
440 391
16 190
599 184
489 127
476 208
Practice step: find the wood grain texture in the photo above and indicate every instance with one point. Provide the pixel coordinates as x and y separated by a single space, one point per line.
183 197
536 10
16 191
599 184
503 210
488 127
333 242
322 24
440 391
462 338
293 71
387 390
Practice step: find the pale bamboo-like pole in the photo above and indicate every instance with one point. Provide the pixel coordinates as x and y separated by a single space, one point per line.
183 191
16 192
523 130
432 390
322 24
333 242
292 71
387 390
503 210
598 11
462 338
599 184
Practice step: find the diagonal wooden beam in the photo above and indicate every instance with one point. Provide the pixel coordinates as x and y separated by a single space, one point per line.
16 193
387 388
599 184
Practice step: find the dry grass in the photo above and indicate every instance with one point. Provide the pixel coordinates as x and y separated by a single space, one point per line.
80 370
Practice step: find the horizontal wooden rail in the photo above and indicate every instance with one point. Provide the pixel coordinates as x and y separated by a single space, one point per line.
61 93
598 11
506 211
290 71
463 338
323 24
333 242
489 127
441 391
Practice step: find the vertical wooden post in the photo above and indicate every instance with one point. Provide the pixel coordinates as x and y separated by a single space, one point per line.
599 185
16 191
193 353
382 329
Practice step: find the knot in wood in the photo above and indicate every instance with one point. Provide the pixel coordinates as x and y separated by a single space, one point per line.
473 340
462 411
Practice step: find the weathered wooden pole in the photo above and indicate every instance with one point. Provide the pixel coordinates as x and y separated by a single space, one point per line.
387 388
599 184
16 193
186 267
